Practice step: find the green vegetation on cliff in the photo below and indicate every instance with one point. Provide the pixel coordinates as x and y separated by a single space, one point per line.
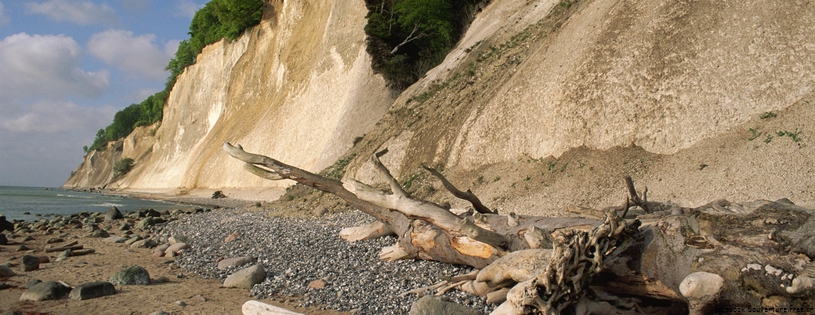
218 19
406 38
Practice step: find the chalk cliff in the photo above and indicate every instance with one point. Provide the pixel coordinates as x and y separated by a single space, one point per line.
669 91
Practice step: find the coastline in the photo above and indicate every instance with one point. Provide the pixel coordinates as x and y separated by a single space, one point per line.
174 289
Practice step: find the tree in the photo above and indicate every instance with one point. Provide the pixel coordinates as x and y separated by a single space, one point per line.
122 166
674 261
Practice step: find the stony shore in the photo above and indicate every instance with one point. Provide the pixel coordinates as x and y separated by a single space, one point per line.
307 266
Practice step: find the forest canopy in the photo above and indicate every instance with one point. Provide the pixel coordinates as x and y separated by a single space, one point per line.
218 19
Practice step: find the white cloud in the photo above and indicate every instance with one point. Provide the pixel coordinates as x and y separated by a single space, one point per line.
187 8
3 18
52 117
80 12
45 65
135 54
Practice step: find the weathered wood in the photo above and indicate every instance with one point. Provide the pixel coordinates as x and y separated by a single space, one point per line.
468 195
253 307
369 231
82 252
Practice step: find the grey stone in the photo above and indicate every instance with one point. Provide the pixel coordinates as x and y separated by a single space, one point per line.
146 222
49 290
5 225
132 240
175 248
246 278
29 263
431 305
125 227
5 271
3 239
116 239
179 239
234 262
11 313
159 313
32 283
133 275
319 211
92 290
99 234
146 243
113 214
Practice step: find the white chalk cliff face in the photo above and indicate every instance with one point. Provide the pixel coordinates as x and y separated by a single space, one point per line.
663 75
298 87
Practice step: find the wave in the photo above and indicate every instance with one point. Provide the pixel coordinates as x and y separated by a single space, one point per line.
74 196
107 204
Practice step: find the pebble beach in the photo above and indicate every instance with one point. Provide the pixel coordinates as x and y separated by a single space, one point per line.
308 267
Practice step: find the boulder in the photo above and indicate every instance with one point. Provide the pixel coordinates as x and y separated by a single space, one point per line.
3 239
98 234
175 248
146 243
431 305
6 272
49 290
234 262
232 237
5 225
178 238
29 263
145 223
92 290
116 239
133 275
113 214
246 278
4 286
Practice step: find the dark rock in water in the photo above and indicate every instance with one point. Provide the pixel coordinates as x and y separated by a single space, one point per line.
133 275
3 239
5 225
48 290
218 194
29 263
431 305
92 290
113 214
246 278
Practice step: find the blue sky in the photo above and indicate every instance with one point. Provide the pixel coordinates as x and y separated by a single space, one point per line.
67 66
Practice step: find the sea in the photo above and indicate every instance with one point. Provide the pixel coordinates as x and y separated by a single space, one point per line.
34 203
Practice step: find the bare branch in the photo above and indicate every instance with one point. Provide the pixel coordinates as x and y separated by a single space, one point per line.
469 196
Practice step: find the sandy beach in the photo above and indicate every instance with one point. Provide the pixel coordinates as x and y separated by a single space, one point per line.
173 290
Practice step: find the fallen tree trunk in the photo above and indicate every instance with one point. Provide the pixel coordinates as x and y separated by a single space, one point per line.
669 260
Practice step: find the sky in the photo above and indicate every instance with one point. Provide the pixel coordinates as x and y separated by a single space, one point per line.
67 66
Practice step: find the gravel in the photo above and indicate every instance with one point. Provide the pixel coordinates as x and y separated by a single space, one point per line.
295 252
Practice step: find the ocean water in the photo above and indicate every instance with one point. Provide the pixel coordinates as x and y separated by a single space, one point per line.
16 201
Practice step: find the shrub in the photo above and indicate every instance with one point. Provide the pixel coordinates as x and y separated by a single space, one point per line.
122 167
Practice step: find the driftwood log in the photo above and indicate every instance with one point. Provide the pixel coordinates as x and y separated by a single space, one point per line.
718 258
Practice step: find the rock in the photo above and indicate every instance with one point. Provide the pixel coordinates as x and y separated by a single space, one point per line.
246 278
98 234
234 262
157 254
175 248
132 240
232 237
32 283
133 275
92 290
43 259
317 284
64 255
4 286
54 240
159 313
200 298
3 239
113 214
49 290
218 194
29 263
178 239
146 243
431 305
5 225
162 247
116 239
6 272
144 223
319 211
22 248
11 313
125 227
180 303
161 279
